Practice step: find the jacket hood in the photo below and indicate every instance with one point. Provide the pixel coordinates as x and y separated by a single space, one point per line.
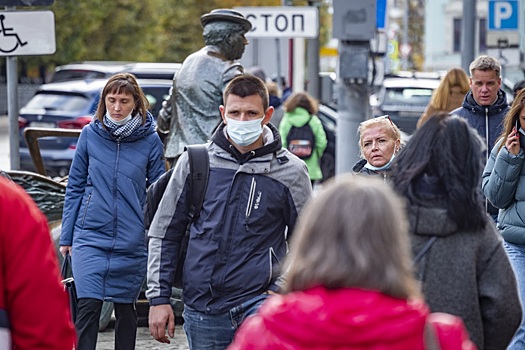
272 143
359 166
428 213
498 106
298 117
146 129
349 318
431 221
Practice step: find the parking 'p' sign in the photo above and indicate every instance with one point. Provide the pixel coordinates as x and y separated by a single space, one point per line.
25 33
503 15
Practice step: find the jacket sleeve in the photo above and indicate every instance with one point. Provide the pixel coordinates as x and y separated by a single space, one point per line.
76 185
498 296
156 166
501 176
449 331
300 192
37 305
320 135
166 232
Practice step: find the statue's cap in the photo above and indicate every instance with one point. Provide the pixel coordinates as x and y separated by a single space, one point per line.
228 16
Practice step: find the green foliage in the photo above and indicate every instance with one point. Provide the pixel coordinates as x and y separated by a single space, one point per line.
131 30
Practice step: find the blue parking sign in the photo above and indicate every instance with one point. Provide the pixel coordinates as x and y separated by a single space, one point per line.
503 15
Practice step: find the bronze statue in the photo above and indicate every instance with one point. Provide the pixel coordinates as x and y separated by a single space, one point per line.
191 112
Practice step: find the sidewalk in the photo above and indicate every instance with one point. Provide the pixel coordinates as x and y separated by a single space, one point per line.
145 341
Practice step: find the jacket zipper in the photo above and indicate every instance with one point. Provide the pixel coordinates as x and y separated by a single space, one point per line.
85 210
115 213
250 202
487 149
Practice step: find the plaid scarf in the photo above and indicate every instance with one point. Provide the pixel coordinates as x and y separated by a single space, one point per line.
121 131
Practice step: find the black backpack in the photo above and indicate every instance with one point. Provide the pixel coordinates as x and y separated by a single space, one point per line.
301 140
199 172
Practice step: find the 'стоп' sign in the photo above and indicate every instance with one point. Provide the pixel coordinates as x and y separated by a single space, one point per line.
282 21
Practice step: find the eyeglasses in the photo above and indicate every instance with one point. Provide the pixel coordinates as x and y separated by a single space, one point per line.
390 120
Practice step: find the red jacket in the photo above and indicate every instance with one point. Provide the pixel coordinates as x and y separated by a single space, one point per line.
34 308
346 319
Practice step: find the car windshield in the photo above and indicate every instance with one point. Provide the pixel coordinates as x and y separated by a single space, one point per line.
407 96
58 102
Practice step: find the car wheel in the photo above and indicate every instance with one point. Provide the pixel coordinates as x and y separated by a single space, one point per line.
327 166
105 316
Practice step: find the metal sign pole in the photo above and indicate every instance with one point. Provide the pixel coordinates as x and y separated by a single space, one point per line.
12 107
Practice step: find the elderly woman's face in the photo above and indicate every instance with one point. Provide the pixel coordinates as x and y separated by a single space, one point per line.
377 145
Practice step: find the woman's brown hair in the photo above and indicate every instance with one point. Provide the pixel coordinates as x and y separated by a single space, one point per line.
303 100
511 118
353 235
125 83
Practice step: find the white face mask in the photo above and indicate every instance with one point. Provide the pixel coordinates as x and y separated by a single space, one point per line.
244 133
119 122
380 168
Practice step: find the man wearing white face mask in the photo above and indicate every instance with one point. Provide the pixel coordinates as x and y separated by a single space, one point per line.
255 192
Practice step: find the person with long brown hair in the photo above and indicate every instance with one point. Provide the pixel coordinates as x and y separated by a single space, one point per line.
504 187
118 155
448 95
352 286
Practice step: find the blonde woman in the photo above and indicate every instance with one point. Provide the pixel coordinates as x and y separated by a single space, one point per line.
348 288
379 142
449 94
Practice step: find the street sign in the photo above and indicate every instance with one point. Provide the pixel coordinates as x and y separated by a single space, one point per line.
25 33
282 21
381 14
354 20
26 2
503 15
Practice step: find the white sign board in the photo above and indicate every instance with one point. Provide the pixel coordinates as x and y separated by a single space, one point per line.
24 33
282 21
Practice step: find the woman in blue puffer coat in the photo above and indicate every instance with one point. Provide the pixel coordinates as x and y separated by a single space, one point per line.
504 187
118 155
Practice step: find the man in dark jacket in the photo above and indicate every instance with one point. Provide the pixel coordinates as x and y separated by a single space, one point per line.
485 105
256 190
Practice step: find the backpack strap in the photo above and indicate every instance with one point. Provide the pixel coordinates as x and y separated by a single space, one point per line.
425 249
199 172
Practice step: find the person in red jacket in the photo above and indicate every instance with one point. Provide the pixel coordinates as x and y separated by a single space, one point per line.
349 281
34 308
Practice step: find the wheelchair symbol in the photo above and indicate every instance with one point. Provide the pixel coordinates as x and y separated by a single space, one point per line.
6 32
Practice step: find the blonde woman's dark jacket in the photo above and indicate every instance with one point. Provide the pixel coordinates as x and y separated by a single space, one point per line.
466 273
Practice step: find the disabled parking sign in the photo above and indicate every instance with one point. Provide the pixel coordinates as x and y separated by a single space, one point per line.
25 33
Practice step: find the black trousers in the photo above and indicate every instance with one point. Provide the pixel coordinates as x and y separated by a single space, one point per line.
87 324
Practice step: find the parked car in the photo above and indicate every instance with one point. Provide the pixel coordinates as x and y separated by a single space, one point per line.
71 105
404 99
104 69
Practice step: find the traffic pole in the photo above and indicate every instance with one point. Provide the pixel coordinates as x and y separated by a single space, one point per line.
354 24
468 34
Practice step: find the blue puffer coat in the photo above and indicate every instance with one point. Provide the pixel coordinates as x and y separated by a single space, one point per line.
103 210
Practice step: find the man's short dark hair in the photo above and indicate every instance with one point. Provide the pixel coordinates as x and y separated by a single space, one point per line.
247 85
